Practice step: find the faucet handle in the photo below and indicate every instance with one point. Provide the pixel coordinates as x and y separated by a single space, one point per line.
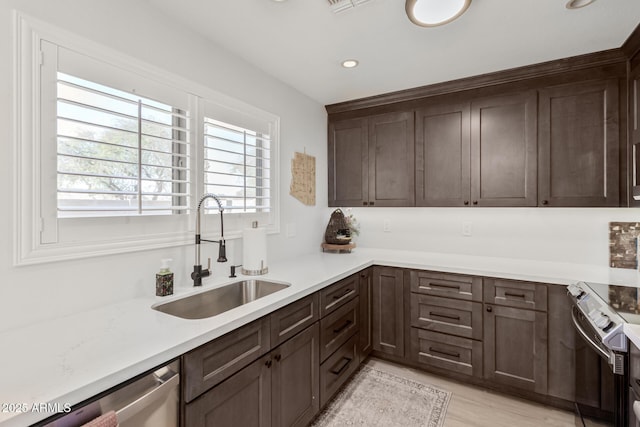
233 270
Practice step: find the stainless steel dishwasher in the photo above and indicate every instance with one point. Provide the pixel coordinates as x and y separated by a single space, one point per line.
150 401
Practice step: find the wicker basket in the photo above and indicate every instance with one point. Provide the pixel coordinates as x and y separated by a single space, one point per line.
337 232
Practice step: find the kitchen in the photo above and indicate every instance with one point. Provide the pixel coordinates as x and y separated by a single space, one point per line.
35 294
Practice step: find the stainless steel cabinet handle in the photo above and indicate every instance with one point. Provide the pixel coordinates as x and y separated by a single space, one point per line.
445 316
446 353
343 327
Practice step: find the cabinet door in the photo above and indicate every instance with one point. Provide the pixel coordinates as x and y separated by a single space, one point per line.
348 163
241 400
366 334
503 151
391 160
515 347
388 310
578 145
634 134
562 345
442 155
295 380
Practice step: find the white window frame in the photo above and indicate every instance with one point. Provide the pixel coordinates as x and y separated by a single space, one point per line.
74 238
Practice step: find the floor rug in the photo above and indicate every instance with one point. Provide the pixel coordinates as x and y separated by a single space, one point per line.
376 398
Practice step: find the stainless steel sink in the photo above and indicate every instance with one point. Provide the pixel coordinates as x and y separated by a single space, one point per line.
219 300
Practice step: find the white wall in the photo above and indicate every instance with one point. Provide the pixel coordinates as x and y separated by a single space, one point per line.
34 293
575 235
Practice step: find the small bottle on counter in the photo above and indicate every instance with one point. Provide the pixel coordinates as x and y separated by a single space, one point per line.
164 279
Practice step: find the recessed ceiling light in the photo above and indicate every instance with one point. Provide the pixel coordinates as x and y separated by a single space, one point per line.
349 63
431 13
577 4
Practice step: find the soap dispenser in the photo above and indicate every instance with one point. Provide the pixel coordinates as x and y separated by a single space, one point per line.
164 279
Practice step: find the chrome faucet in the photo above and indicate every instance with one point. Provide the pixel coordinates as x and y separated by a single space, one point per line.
198 272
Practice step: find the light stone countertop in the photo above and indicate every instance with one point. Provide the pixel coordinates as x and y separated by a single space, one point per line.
73 358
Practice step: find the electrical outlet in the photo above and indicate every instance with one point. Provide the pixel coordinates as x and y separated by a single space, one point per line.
386 226
291 230
466 229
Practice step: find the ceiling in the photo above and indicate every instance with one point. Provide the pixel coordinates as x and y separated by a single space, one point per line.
302 42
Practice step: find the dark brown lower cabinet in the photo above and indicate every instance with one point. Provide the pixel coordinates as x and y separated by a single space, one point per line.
242 400
515 347
365 345
295 380
279 389
388 310
456 354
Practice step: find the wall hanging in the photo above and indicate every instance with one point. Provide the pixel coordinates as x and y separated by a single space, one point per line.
303 178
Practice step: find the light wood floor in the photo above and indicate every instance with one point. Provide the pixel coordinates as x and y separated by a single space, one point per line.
474 406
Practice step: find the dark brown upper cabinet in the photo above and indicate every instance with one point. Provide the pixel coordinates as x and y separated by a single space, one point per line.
443 155
479 153
391 160
503 150
348 163
579 144
371 161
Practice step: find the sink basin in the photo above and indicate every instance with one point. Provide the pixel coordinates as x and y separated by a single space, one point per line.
219 300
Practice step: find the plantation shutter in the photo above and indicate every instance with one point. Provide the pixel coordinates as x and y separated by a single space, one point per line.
121 150
237 159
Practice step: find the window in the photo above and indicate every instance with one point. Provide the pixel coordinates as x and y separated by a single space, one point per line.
237 166
118 153
112 154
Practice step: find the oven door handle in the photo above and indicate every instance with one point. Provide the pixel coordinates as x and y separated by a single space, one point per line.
605 355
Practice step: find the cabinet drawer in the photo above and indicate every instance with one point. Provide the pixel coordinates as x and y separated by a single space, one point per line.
512 293
238 401
295 317
461 318
217 360
338 326
337 369
448 285
455 354
337 294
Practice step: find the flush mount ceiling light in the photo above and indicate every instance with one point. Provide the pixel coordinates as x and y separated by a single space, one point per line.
431 13
577 4
349 63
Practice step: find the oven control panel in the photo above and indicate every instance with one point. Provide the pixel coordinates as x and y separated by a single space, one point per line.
602 318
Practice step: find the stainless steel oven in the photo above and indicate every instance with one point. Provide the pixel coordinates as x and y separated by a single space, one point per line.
601 388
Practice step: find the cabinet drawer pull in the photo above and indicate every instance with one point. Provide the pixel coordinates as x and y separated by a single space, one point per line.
511 294
446 316
344 294
345 362
475 202
466 203
278 357
444 285
371 203
364 203
268 363
343 327
446 353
